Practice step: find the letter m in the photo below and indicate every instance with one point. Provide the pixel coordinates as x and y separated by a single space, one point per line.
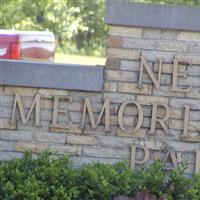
105 109
24 119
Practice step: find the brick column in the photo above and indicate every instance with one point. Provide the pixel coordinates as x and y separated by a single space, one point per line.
155 31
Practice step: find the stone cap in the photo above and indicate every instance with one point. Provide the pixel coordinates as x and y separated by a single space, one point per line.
51 75
124 13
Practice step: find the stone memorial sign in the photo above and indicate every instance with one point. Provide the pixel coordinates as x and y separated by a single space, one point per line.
143 105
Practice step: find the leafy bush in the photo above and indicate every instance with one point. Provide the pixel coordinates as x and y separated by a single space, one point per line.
194 191
41 178
49 177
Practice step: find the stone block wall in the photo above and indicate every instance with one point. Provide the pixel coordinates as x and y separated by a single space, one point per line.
129 48
125 47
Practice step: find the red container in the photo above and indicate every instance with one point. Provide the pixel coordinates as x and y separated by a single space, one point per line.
27 45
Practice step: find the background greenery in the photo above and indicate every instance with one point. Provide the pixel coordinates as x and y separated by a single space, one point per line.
77 24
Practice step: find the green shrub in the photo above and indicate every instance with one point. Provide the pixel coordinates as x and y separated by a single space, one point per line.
194 191
96 181
42 178
48 177
151 179
103 181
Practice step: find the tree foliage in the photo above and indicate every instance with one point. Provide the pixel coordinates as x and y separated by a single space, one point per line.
77 24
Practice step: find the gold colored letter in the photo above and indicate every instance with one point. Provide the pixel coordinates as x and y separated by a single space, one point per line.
175 76
133 156
186 120
197 167
162 121
149 71
140 116
175 158
36 104
88 108
56 110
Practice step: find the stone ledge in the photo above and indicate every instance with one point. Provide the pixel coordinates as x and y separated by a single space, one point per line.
156 16
51 75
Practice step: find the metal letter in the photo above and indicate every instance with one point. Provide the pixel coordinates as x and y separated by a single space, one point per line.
197 166
186 120
176 74
162 121
88 108
36 104
133 156
140 116
56 110
173 157
149 71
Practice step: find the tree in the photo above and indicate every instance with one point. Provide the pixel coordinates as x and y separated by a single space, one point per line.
78 25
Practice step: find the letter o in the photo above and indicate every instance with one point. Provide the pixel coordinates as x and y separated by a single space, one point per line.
121 113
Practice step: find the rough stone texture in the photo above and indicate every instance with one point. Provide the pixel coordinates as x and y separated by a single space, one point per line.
188 36
45 75
114 75
133 88
123 53
110 87
125 31
114 41
154 44
152 15
5 124
120 84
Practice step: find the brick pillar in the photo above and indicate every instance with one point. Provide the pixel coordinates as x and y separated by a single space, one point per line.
155 31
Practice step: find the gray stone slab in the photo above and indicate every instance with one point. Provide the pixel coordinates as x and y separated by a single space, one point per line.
47 75
152 15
